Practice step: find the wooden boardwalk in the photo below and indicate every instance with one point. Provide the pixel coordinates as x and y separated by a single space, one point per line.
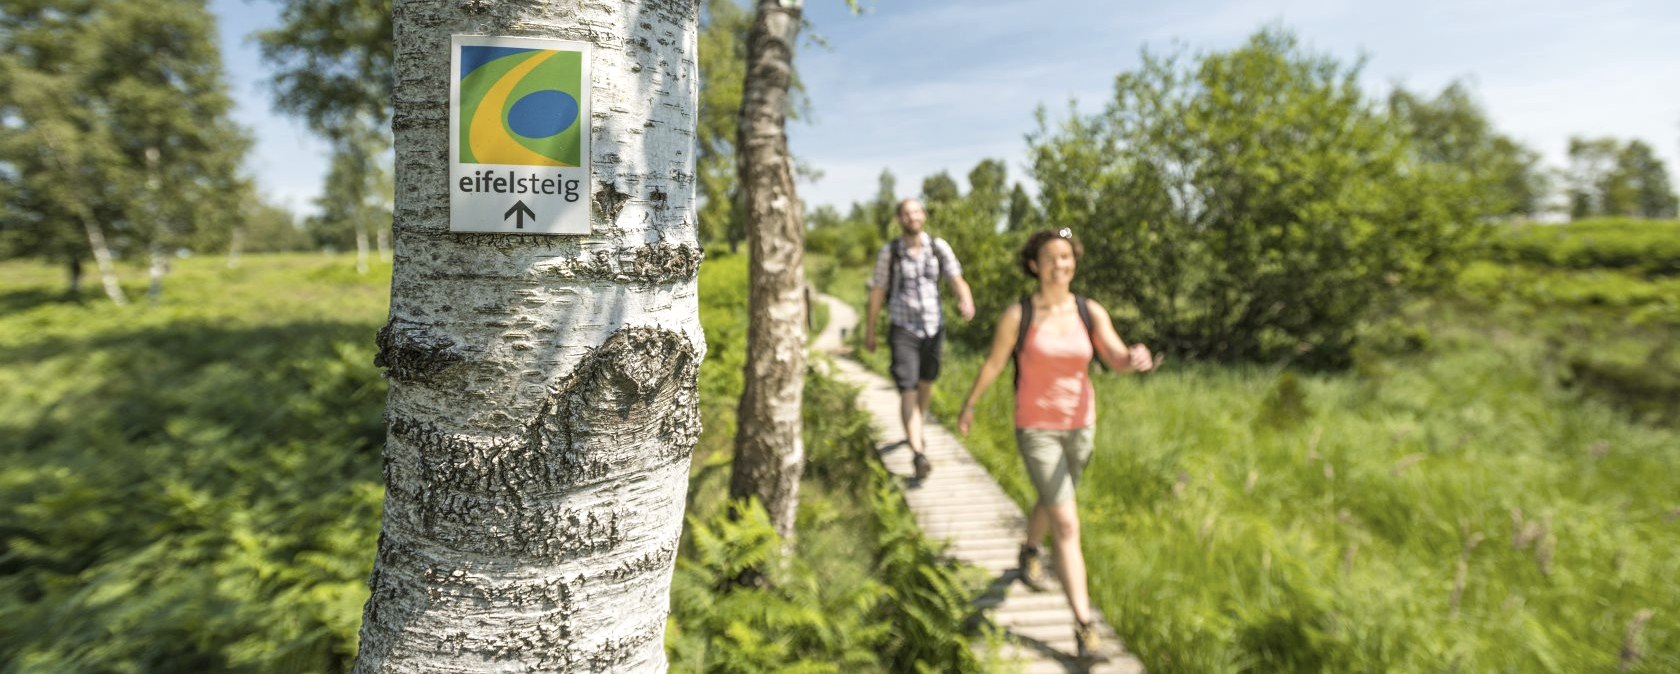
961 503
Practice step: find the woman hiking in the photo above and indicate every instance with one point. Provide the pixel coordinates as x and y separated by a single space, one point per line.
1053 335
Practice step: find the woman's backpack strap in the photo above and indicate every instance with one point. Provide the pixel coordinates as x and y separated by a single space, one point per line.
1021 336
1083 304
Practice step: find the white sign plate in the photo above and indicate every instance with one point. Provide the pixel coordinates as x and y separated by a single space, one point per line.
518 135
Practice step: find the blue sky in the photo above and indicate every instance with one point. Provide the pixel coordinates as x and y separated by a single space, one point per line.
917 86
287 161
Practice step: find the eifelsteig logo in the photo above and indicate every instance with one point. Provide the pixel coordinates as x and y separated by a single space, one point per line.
520 106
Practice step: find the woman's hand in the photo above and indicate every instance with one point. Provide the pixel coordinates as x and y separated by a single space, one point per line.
965 419
1141 359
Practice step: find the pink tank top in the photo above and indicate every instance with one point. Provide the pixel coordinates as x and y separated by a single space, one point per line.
1055 391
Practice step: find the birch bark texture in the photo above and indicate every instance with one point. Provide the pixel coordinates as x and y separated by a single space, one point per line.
769 448
542 407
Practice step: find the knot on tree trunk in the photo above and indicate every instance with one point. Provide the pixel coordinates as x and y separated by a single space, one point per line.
643 382
411 352
635 368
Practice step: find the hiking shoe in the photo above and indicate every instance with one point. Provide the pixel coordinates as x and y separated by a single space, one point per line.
1030 563
1089 642
923 466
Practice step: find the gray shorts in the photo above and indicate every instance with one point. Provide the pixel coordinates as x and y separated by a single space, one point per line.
1054 460
914 359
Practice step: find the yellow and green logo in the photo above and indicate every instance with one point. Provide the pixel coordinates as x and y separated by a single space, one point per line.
521 106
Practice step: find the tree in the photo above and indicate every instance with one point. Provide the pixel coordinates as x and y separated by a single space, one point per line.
769 448
1591 165
333 62
1249 204
824 217
1452 133
1608 177
542 405
354 202
270 228
170 117
54 141
1639 186
884 210
1023 215
940 189
988 183
334 70
118 122
969 223
723 56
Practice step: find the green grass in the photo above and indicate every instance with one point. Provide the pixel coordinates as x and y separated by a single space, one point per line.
1226 533
192 484
195 485
1611 333
859 593
1244 519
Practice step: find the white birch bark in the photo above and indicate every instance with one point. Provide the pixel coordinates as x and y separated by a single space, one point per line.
236 245
543 389
769 447
155 272
361 244
383 242
102 259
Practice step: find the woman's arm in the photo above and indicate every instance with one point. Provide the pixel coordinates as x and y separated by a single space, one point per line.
1003 345
1114 352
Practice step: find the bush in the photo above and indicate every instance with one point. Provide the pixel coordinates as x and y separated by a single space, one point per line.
905 610
1250 205
850 243
988 260
1650 247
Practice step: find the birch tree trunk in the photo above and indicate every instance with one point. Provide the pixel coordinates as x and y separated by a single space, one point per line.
543 389
155 273
103 260
237 243
95 234
75 269
361 244
769 451
382 242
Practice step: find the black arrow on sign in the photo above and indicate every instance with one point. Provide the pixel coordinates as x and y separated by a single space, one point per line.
519 212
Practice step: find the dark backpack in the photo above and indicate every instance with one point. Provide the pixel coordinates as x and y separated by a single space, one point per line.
1026 322
897 247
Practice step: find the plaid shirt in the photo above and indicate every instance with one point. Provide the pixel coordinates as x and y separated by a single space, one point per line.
913 302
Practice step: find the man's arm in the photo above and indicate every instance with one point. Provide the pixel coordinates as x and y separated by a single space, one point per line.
953 277
965 299
878 281
876 297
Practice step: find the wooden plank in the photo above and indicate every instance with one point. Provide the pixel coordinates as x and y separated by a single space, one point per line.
961 503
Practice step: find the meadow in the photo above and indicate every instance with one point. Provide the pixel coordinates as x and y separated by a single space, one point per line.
1473 495
1493 486
194 485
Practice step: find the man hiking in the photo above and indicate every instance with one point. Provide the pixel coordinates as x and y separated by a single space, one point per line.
906 279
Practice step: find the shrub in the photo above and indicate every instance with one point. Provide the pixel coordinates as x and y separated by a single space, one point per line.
1252 204
1650 247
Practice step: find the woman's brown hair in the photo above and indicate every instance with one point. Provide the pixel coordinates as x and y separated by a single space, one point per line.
1029 252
